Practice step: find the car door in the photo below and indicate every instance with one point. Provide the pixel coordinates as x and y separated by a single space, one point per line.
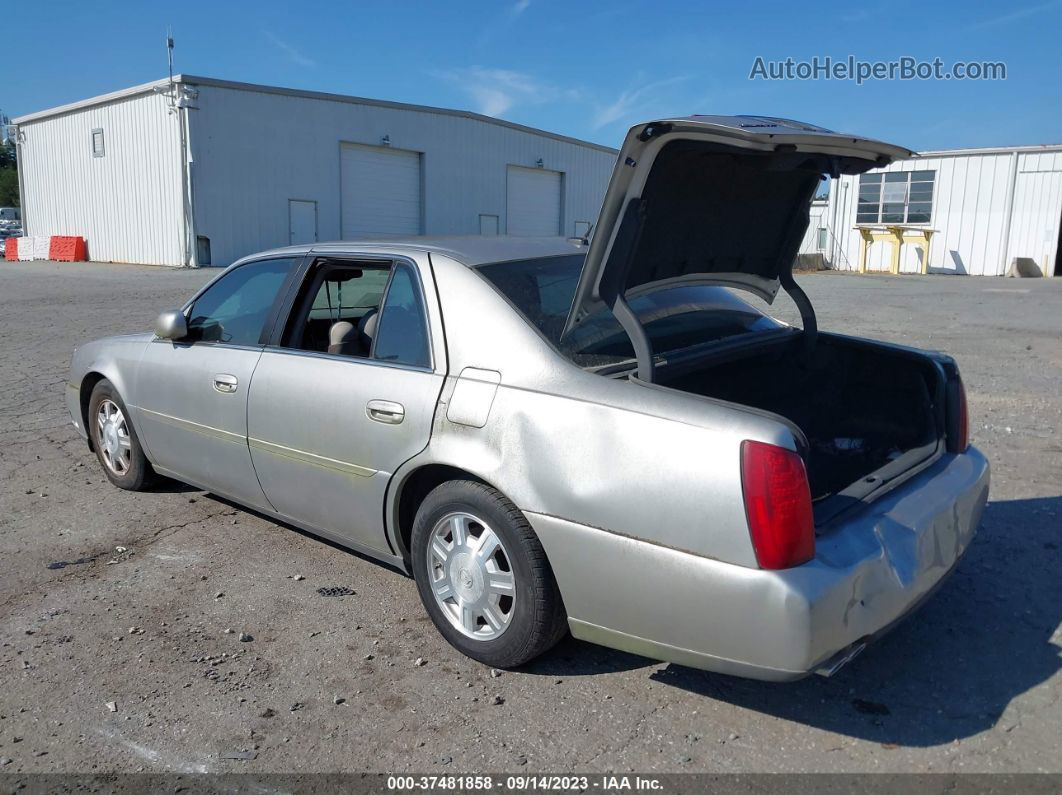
192 393
327 430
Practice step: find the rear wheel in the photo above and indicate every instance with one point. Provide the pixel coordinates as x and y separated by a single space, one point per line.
483 576
115 441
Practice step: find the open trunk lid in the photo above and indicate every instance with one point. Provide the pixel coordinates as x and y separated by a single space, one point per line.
717 200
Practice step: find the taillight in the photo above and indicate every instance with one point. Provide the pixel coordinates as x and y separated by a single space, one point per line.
777 504
958 415
963 440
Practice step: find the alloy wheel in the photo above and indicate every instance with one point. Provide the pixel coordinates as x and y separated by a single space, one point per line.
112 436
471 576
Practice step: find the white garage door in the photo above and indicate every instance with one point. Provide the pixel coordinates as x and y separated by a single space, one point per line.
533 202
380 191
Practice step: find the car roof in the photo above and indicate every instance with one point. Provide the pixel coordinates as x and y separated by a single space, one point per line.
471 250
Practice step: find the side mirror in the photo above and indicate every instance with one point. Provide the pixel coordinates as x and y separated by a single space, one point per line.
171 325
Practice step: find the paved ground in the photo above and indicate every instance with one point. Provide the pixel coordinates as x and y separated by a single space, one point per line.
972 684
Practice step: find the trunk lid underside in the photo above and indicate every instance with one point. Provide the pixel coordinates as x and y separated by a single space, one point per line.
711 200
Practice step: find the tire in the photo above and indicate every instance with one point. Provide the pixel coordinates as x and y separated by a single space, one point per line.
116 444
533 619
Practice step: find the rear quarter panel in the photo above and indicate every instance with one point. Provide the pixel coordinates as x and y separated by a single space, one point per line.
651 464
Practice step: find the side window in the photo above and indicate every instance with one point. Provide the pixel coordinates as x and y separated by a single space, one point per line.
234 309
348 293
403 332
337 312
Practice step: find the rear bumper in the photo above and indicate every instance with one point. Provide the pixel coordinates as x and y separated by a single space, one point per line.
868 573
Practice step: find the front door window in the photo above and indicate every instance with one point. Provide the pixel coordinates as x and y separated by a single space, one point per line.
234 309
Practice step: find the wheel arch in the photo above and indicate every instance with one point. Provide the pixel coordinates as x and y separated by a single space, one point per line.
88 383
411 491
103 370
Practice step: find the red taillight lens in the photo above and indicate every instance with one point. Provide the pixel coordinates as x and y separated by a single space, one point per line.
964 421
778 505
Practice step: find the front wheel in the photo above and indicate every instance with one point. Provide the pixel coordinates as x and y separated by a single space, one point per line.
483 576
116 443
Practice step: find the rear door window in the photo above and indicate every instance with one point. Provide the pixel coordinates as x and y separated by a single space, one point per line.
675 318
403 330
338 307
362 310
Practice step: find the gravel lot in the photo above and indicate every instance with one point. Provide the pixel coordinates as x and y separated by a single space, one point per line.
330 684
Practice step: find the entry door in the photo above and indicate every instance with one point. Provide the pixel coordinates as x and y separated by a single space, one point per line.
327 431
321 456
193 426
380 191
533 202
302 221
191 395
488 225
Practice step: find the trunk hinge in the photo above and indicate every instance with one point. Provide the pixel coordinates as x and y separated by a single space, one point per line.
785 276
807 311
614 276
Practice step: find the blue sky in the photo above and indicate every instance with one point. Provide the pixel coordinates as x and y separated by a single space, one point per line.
588 69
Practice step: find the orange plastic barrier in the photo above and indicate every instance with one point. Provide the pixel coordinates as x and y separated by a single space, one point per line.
11 249
67 249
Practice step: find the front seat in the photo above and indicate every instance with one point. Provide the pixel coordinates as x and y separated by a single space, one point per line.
367 330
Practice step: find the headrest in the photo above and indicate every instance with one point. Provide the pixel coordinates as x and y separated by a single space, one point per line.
367 324
340 332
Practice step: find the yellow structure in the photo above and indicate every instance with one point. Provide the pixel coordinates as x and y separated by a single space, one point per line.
898 236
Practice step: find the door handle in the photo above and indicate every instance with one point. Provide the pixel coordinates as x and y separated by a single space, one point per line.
385 411
223 382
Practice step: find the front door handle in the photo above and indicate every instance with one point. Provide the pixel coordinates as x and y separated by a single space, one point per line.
223 382
385 411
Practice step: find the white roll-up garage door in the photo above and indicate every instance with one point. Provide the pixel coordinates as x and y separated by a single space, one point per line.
380 191
533 202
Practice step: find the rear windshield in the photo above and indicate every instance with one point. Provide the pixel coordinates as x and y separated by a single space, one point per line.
676 318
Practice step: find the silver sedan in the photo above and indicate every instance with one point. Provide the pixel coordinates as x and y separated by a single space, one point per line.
561 435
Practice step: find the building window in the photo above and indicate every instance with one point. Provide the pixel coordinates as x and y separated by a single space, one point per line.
896 197
820 240
98 149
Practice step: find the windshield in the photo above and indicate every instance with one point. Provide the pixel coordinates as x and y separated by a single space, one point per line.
675 318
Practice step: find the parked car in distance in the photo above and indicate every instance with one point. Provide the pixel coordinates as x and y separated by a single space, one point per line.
551 436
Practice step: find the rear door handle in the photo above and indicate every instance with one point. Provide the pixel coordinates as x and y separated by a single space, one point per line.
223 382
385 411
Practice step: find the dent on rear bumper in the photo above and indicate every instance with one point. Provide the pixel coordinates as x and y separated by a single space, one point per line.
675 606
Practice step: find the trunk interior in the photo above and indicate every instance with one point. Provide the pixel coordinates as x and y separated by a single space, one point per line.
868 412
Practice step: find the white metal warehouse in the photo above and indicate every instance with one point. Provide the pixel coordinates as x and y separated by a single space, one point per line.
960 211
200 171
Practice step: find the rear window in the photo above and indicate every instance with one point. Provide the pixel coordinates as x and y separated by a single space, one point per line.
676 318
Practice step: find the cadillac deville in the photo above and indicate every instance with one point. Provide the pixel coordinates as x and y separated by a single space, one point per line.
552 435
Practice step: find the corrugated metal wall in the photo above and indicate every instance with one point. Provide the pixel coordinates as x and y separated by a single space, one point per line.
1034 228
816 220
253 151
127 203
969 215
